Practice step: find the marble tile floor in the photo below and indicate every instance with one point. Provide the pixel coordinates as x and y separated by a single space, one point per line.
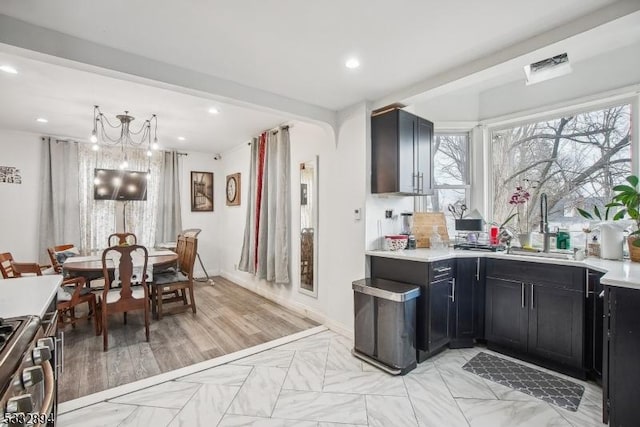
316 382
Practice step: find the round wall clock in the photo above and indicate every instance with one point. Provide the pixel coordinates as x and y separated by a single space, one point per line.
233 189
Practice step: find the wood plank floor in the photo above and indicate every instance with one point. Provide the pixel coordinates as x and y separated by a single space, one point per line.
229 318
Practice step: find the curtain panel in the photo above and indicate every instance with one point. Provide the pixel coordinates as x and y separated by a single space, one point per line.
98 217
59 212
266 246
169 217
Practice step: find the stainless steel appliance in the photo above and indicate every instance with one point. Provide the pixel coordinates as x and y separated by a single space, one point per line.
28 371
407 229
385 324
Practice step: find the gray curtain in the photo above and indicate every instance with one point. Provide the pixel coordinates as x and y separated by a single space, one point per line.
274 225
169 218
60 201
247 257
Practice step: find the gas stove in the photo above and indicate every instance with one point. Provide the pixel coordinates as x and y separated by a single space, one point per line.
27 378
16 334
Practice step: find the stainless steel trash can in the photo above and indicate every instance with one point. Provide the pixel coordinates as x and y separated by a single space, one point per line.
385 324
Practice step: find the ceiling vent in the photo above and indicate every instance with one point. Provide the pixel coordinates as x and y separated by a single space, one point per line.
547 69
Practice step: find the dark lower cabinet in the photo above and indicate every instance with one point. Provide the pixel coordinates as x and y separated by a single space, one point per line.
506 317
467 320
556 319
537 312
594 315
621 368
439 313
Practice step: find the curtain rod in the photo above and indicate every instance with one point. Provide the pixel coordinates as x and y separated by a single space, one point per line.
274 130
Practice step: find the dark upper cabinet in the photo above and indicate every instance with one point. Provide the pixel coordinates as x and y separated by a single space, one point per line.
400 153
506 317
468 312
621 370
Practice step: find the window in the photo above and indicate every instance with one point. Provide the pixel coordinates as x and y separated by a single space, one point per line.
575 159
98 217
450 173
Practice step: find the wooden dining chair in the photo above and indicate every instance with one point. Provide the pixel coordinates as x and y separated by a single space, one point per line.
127 297
120 239
171 287
74 293
6 268
56 261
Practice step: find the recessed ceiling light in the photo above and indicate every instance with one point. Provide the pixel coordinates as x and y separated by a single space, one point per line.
214 110
182 138
352 63
42 120
8 69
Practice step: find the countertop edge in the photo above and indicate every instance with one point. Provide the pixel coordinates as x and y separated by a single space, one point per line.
610 278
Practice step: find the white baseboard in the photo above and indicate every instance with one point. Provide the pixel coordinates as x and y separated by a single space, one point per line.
296 306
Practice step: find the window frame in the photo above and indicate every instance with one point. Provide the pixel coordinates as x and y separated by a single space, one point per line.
555 114
467 172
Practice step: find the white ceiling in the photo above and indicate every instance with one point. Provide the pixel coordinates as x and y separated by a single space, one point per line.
66 97
298 48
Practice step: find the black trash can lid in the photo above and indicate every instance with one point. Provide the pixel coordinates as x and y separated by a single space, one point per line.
386 289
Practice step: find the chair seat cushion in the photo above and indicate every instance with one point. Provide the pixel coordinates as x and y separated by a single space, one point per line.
66 292
62 256
114 294
165 278
49 271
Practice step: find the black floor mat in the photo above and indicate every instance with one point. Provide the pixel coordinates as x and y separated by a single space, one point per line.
544 386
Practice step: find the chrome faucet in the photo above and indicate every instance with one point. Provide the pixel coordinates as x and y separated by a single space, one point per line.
544 223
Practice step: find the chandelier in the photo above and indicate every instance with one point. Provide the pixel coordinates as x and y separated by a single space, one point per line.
128 137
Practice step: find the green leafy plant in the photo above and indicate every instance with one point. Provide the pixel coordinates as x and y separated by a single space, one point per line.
628 198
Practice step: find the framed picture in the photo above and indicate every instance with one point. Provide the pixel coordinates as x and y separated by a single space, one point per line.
201 191
233 189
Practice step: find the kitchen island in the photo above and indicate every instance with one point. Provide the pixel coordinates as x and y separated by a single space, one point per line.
28 296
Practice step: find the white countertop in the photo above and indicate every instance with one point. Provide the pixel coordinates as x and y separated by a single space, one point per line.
26 296
624 274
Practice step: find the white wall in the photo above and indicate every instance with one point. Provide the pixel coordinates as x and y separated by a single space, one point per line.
616 69
341 238
307 141
348 186
209 241
20 212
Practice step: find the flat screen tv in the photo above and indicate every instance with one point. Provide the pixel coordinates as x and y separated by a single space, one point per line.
114 184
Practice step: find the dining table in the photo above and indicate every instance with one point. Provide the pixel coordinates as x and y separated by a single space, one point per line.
90 266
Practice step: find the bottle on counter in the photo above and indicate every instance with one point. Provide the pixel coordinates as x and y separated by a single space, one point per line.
563 239
594 247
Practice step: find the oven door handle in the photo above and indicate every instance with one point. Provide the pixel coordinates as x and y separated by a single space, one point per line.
48 400
60 355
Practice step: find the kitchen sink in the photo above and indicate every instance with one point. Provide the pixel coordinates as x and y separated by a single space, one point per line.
554 255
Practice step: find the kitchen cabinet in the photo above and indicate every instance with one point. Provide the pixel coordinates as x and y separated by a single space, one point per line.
400 153
506 316
440 298
468 314
621 370
537 311
594 326
435 303
556 318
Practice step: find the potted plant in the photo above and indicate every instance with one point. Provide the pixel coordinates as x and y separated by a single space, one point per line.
628 198
519 202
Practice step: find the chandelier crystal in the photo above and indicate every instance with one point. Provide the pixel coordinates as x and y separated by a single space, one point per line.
128 137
